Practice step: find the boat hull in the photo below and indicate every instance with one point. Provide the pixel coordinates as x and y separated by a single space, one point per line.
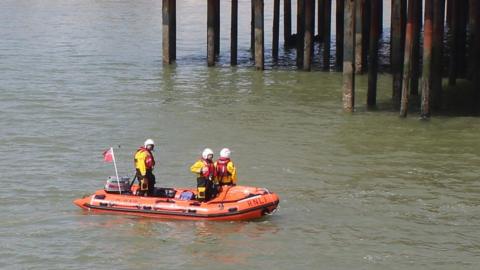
232 203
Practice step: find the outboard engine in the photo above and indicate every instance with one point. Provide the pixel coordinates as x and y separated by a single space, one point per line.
114 186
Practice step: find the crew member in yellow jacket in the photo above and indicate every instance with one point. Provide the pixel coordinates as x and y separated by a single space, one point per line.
205 171
144 163
225 171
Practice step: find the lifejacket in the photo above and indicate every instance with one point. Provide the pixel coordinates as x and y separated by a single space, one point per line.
149 159
222 168
210 173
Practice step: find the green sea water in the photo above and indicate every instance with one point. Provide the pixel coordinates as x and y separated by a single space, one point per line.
361 191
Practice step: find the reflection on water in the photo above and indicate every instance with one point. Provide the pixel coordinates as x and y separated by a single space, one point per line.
222 243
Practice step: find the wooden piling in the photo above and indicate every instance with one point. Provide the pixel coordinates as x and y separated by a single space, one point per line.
217 27
426 86
453 37
287 22
309 34
398 20
349 57
407 64
321 19
234 34
252 30
457 40
300 31
314 6
449 13
366 13
276 29
462 38
437 52
375 5
173 34
327 25
416 48
475 30
359 20
259 34
380 14
169 26
211 32
339 34
471 45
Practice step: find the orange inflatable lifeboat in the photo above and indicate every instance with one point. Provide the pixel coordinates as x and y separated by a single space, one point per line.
231 203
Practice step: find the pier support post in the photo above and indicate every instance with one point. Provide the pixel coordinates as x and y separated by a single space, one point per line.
349 57
211 32
287 22
339 34
321 19
416 48
407 64
252 30
475 33
457 40
359 21
276 29
327 15
366 13
462 39
300 36
259 34
437 52
373 53
426 85
472 6
380 14
454 33
397 43
169 29
449 13
234 34
217 27
309 34
471 45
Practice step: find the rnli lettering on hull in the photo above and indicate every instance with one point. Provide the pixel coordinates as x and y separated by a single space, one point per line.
255 201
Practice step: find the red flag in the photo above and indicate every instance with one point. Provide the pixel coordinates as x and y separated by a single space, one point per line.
108 155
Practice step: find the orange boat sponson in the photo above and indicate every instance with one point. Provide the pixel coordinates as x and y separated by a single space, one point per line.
232 203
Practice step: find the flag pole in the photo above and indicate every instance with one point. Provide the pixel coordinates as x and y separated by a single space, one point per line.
116 171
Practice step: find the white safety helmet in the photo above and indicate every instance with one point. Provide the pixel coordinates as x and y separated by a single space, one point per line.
206 152
149 142
225 153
